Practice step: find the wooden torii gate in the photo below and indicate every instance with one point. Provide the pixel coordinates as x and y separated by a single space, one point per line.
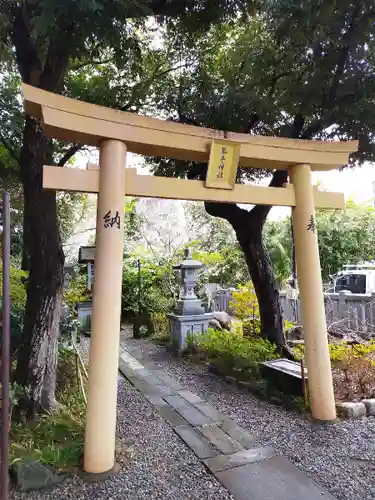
115 133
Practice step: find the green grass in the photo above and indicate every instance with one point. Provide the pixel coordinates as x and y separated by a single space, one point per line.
54 439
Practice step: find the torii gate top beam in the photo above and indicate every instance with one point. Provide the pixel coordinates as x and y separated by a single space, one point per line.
77 121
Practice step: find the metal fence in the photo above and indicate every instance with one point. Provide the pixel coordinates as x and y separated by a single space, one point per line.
344 310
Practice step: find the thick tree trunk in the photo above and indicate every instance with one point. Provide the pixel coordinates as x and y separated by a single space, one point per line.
37 358
248 226
260 269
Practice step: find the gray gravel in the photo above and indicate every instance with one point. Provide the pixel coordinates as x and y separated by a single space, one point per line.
340 457
155 463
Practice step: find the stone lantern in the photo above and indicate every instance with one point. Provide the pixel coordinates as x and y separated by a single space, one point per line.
189 317
188 303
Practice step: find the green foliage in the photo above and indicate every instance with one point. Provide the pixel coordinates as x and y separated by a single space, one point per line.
156 286
76 291
17 303
245 302
72 208
353 369
55 439
344 238
278 241
214 243
245 306
161 328
341 352
234 354
17 288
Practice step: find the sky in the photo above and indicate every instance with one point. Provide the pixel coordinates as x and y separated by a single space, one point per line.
357 184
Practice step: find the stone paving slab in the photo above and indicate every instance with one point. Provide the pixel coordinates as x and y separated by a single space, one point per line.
230 452
173 418
156 400
187 411
218 438
196 442
239 434
210 412
271 479
190 397
224 462
168 380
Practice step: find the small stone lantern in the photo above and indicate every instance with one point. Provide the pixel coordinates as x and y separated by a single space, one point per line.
189 303
189 316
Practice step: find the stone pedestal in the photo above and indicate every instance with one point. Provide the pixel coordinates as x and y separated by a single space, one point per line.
84 310
185 327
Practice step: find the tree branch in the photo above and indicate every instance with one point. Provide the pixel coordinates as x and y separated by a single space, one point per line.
235 215
343 58
10 150
28 61
145 85
76 67
69 154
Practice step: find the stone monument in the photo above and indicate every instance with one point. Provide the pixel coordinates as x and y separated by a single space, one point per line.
189 317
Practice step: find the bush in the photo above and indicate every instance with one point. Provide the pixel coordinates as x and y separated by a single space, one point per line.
353 368
245 306
161 327
55 439
17 303
245 303
234 354
76 291
156 294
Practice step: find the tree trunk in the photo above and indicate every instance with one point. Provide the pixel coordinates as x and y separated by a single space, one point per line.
37 358
260 269
248 226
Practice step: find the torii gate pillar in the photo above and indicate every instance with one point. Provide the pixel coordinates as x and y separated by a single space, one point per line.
311 293
99 454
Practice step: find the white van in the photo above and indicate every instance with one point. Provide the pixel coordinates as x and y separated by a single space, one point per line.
355 278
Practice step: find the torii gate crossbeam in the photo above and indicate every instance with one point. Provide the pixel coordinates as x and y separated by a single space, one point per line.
115 132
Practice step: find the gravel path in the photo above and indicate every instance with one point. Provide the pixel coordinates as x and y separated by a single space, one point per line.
340 457
155 463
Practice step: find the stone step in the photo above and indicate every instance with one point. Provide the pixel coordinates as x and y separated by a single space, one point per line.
271 479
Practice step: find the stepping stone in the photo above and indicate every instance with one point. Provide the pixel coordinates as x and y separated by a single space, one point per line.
218 438
237 433
156 400
210 412
170 416
168 380
187 411
224 462
196 442
190 397
125 369
271 479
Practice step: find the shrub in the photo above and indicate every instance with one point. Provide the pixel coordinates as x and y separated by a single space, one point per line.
245 306
17 303
161 327
245 303
156 294
55 439
353 369
76 291
234 354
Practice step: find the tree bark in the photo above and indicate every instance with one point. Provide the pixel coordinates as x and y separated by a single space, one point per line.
260 268
37 357
248 226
